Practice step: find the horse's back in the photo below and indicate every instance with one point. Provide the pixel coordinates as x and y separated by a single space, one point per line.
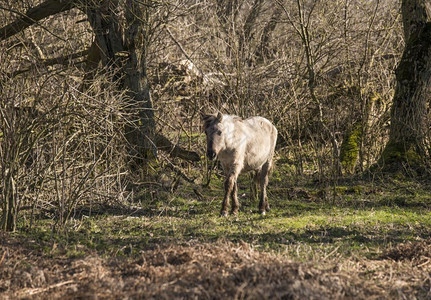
262 137
262 130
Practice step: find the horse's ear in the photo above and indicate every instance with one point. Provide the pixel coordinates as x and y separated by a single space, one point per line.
219 117
205 117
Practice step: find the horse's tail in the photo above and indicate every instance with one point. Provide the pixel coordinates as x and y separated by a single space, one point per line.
274 134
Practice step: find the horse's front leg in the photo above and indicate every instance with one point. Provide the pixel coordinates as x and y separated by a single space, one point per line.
229 186
234 196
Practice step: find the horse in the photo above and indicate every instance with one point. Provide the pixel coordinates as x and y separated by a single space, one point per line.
241 146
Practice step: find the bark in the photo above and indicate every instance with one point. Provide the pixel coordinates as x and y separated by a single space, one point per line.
226 9
9 203
408 114
106 26
247 34
91 64
136 82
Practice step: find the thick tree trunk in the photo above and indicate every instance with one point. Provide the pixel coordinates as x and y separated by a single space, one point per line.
122 56
264 51
408 115
141 133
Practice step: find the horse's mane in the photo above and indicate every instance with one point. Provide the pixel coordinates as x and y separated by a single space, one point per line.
208 119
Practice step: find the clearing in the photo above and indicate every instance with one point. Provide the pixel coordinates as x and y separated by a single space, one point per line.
370 240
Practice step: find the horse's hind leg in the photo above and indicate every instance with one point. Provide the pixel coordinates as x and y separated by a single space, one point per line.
253 186
264 174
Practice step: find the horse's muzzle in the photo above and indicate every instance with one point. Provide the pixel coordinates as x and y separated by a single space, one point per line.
211 155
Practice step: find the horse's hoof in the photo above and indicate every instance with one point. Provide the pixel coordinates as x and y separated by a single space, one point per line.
223 214
234 213
263 213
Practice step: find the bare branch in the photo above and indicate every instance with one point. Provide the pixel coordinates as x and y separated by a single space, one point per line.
33 15
61 60
164 144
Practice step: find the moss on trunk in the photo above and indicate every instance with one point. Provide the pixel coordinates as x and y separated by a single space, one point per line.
402 157
349 152
400 152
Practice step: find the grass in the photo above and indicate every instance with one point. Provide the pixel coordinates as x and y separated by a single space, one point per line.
368 240
361 220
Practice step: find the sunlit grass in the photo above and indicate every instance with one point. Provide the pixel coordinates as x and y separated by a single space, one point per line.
356 222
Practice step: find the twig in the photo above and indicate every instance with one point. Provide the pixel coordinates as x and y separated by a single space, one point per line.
209 174
332 252
179 45
33 16
30 292
2 258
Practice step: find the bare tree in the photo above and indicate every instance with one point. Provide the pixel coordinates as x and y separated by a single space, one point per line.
118 54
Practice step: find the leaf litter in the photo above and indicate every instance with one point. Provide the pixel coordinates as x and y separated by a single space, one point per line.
216 270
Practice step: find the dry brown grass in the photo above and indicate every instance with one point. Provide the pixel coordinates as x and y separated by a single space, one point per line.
208 271
419 252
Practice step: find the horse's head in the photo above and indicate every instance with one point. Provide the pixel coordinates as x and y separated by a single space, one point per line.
213 127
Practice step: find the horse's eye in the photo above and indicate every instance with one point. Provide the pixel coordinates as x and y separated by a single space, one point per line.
219 132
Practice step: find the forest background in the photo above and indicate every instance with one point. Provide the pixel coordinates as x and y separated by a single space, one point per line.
101 102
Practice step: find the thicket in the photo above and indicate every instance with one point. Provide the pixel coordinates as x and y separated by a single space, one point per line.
322 71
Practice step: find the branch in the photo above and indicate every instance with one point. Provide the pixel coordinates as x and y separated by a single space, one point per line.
33 15
166 145
181 48
61 60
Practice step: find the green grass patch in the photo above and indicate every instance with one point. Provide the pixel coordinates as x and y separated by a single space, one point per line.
303 223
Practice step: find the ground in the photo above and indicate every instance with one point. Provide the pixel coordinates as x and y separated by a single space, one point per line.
366 240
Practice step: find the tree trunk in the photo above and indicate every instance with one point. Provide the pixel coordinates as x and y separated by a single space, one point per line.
9 203
118 54
408 115
141 133
121 56
263 51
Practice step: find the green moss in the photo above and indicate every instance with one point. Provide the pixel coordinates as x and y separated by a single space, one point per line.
397 152
349 151
356 189
393 152
341 190
345 190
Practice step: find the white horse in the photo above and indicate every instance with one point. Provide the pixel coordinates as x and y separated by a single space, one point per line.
241 146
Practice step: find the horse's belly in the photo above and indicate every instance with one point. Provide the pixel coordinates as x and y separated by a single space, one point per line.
255 161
